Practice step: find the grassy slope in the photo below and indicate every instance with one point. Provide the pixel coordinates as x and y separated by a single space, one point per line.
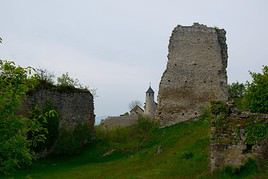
143 162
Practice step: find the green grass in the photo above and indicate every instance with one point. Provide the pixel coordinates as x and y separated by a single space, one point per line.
182 153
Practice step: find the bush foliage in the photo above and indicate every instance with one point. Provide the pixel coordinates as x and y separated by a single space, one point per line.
15 145
21 136
253 95
250 167
128 139
236 90
72 139
219 108
256 132
48 118
257 92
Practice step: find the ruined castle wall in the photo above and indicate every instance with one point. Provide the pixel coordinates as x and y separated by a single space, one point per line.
195 73
234 139
73 107
113 122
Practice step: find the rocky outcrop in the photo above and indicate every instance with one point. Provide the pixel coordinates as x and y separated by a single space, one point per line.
195 73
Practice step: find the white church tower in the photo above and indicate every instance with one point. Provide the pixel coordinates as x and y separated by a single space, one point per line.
150 105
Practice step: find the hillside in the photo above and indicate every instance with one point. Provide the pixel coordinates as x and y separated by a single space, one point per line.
180 151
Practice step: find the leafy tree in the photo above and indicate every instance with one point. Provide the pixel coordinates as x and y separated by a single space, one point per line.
44 77
257 91
15 146
236 90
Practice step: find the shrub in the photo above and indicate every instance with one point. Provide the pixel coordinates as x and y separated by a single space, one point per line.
44 78
220 111
255 133
219 108
146 125
72 139
128 139
113 137
257 92
187 155
66 81
15 145
52 125
250 167
205 115
236 90
48 118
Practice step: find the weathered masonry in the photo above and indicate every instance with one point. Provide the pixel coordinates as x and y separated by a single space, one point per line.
74 107
195 73
237 137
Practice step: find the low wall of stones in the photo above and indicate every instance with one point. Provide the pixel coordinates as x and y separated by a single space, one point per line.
119 121
238 137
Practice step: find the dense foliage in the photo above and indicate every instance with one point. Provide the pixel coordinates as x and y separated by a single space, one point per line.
24 138
256 132
253 95
21 136
219 108
236 90
48 118
14 129
72 139
257 92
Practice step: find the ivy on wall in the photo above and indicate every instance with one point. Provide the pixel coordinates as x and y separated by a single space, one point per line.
255 132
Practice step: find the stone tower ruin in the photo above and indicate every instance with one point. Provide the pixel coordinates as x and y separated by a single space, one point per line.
150 105
195 73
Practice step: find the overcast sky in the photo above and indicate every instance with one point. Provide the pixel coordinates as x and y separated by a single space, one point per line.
120 46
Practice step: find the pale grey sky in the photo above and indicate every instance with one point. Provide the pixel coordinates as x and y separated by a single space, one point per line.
119 46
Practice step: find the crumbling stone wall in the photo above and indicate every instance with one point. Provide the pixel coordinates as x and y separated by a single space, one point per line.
73 106
195 73
238 137
119 121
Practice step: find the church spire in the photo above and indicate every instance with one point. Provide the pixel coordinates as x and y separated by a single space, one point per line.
150 90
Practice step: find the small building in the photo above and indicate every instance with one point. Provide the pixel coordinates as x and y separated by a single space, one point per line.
131 117
137 110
